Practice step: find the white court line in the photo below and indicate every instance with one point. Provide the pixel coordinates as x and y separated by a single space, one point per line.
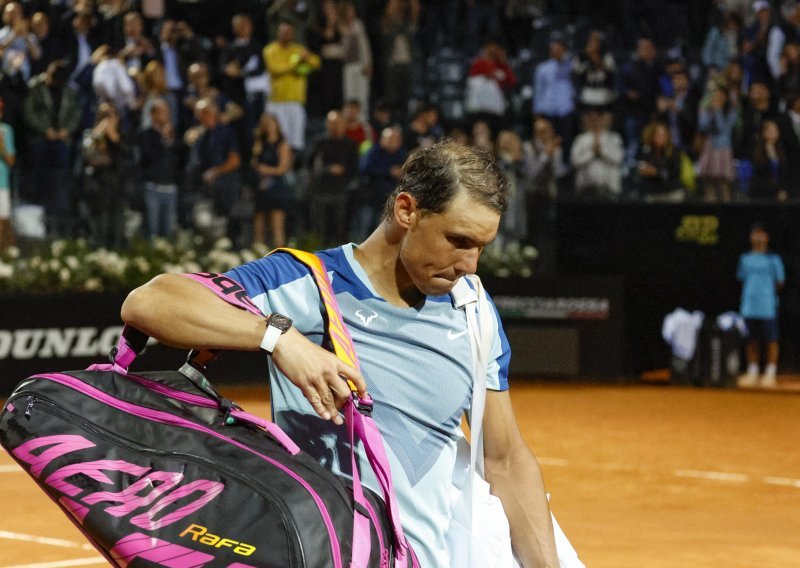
45 540
724 476
63 563
13 468
785 481
713 475
557 462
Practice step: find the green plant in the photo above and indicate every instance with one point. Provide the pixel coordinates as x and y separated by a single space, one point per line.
504 260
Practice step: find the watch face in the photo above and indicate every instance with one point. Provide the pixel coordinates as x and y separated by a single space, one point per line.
281 322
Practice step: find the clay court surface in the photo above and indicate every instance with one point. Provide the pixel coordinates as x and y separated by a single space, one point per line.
640 476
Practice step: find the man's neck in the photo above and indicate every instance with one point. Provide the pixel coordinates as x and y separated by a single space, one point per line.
379 256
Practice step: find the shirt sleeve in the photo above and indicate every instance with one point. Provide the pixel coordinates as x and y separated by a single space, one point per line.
500 357
261 277
780 275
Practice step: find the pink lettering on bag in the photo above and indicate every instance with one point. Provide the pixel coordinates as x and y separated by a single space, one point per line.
130 498
93 470
209 489
64 444
163 553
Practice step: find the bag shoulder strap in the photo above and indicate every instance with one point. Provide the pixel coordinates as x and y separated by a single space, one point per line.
468 294
357 418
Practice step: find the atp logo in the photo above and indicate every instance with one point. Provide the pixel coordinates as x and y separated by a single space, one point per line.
366 320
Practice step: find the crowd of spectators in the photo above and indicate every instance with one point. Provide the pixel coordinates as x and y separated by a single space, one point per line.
292 116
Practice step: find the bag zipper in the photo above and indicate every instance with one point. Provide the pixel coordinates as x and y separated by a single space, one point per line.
49 407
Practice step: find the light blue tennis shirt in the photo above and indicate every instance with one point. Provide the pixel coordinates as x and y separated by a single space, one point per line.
417 363
759 274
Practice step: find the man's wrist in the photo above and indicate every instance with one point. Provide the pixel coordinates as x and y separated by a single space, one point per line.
277 325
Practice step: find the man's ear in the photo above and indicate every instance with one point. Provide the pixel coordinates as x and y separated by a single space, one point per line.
406 212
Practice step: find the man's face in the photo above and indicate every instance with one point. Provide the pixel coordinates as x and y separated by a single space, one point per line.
351 111
198 75
207 115
759 93
759 239
12 14
439 248
160 114
646 50
335 124
132 27
242 27
285 33
391 140
40 24
557 50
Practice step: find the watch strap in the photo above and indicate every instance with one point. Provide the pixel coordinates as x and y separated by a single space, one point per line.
270 339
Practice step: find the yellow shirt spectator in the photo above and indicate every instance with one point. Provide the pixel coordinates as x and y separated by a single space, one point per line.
289 66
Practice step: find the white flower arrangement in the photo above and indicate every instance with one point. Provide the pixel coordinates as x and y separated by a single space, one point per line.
72 266
507 259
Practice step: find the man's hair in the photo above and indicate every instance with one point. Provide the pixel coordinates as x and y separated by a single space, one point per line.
434 176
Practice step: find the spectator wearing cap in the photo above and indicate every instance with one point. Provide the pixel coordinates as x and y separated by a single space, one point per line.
553 93
8 157
289 64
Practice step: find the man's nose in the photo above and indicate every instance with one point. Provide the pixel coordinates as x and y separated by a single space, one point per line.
468 262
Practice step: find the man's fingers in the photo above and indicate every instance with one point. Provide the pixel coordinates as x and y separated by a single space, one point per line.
351 374
315 400
340 390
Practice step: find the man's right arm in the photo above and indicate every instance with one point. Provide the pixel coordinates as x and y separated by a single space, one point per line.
183 313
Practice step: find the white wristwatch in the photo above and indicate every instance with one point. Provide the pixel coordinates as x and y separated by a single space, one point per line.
277 325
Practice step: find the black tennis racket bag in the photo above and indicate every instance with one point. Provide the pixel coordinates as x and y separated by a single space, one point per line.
157 469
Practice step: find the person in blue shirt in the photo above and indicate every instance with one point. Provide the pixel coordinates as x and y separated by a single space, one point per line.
411 339
762 276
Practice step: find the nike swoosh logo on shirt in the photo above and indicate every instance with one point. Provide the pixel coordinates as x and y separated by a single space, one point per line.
451 336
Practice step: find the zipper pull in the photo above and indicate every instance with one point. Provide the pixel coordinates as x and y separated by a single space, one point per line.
31 401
